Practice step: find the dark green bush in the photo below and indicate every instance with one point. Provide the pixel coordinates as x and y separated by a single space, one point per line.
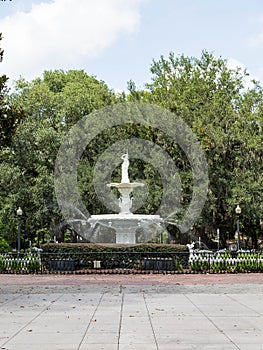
75 248
114 256
4 246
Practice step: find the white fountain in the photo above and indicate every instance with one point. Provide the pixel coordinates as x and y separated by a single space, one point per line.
125 223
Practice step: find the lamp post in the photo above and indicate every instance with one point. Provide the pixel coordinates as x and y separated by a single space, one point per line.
19 213
238 212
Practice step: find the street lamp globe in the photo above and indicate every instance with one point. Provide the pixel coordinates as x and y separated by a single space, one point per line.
19 211
238 210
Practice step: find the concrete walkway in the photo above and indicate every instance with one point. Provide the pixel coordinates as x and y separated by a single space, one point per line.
125 317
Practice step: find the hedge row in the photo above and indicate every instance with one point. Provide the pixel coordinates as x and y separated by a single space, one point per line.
75 248
115 256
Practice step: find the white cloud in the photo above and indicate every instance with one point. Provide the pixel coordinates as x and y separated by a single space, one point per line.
63 33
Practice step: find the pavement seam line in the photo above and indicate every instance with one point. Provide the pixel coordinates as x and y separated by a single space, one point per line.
150 320
90 321
247 307
32 320
211 321
120 322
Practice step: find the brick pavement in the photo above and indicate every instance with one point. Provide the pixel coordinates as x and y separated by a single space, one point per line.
137 279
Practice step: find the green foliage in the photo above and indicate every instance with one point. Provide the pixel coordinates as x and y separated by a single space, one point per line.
226 117
50 105
228 120
226 262
10 117
4 246
25 263
115 256
86 248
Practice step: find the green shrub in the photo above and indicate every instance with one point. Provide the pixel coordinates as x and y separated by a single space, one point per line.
4 246
89 247
25 263
114 256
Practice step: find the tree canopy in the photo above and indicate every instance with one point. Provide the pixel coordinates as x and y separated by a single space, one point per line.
227 118
212 99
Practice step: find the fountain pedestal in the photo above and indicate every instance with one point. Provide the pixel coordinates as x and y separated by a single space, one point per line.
125 231
125 200
125 227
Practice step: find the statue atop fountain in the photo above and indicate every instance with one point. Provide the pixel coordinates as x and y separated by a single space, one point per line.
125 187
124 168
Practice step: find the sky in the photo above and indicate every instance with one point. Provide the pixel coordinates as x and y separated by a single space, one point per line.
117 40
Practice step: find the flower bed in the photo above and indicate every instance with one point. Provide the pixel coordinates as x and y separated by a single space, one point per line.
220 262
24 263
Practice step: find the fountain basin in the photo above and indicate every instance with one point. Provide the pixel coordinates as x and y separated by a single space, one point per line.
125 225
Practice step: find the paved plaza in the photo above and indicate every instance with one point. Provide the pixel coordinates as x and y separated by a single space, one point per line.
115 313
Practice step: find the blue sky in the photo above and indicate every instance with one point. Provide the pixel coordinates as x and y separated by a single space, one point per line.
116 40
